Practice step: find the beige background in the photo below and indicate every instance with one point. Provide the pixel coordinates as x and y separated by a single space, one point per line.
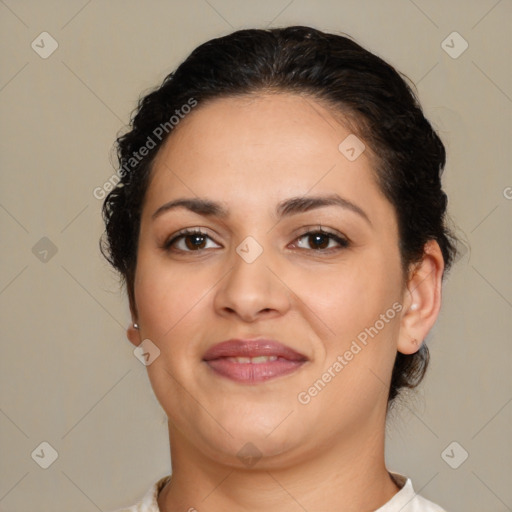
69 376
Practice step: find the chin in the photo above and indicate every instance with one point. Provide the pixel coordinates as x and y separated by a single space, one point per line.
250 451
253 430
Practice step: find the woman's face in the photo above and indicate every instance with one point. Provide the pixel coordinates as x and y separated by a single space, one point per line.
274 165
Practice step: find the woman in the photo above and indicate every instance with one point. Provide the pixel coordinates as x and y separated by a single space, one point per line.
280 227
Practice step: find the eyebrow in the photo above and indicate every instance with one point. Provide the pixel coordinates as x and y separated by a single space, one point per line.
286 208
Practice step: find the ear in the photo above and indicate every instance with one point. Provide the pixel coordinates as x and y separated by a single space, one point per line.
422 299
131 333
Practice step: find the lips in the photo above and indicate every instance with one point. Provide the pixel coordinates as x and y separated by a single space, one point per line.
253 361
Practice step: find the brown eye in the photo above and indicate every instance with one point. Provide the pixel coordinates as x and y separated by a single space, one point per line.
195 241
318 241
189 241
321 241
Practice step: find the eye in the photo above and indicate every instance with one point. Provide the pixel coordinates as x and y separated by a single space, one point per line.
194 240
188 240
321 241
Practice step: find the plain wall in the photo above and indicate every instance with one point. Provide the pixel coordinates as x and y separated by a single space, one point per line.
69 376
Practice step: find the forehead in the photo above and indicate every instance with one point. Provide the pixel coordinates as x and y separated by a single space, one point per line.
258 147
296 125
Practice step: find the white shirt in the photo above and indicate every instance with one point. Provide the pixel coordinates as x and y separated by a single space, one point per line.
405 500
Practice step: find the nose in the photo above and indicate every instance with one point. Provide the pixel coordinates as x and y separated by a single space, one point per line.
252 290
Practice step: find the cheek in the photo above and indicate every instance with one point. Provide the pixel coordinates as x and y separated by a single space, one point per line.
347 297
171 309
355 306
166 297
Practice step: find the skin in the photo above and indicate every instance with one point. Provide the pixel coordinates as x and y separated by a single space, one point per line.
249 154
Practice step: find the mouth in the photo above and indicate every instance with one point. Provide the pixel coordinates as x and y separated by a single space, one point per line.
253 361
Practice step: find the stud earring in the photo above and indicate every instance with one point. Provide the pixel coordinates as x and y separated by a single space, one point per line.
135 325
414 307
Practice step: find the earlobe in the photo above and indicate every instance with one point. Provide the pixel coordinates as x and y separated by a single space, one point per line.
133 334
422 299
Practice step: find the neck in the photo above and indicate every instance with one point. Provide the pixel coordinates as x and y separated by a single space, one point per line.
349 476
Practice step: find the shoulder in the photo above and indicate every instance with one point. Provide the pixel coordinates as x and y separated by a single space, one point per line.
407 500
148 503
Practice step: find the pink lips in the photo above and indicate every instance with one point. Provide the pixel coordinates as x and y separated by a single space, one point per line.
252 361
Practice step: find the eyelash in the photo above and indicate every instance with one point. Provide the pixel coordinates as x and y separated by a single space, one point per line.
342 241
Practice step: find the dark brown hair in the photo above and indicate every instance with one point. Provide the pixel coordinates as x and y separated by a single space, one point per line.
332 68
